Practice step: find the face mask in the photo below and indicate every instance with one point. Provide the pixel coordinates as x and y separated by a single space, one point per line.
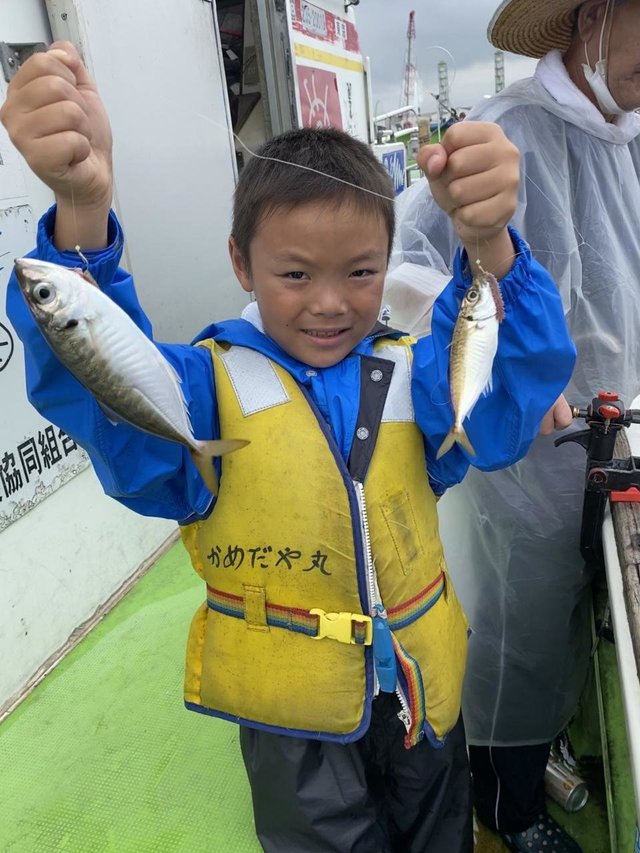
597 78
597 81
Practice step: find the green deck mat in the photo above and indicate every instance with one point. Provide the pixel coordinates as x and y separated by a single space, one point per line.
103 756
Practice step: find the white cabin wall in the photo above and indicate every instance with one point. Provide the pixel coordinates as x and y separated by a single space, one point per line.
58 564
156 64
159 70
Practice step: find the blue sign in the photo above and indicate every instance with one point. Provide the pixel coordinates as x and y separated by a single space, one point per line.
395 162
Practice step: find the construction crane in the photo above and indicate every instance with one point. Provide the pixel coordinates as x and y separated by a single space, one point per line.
409 89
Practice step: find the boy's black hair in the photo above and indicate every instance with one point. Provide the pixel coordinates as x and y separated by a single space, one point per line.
265 186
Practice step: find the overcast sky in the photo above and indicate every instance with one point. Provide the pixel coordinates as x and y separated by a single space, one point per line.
460 26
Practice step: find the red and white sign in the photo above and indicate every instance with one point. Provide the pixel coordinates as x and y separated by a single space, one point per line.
319 97
323 25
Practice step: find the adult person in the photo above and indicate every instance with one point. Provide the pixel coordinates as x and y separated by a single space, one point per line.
515 557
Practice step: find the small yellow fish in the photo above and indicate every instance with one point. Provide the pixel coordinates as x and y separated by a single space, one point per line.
473 349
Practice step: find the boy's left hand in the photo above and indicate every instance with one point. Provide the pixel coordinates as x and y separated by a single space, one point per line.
474 175
559 416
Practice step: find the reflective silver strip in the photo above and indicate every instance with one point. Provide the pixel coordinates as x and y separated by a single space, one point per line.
399 406
256 383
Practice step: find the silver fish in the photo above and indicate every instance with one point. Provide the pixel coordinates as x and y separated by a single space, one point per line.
108 354
473 349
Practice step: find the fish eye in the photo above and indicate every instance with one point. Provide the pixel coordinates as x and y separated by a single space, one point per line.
44 293
472 294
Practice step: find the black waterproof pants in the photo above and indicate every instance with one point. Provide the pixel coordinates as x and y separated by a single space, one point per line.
508 785
372 796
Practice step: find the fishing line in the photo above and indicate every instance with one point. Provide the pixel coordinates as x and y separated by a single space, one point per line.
554 253
388 198
455 66
579 245
450 55
75 227
229 131
251 153
289 163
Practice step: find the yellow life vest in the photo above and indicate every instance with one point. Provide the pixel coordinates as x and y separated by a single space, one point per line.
296 552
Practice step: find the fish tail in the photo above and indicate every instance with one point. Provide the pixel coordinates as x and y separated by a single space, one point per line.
203 458
456 435
206 469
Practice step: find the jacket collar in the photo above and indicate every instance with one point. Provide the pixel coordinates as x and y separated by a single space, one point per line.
247 332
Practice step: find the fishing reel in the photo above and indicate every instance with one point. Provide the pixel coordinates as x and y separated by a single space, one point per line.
606 476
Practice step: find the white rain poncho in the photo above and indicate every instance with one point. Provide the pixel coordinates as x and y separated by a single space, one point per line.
511 537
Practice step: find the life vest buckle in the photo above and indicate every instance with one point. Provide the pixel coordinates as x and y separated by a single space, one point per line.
340 626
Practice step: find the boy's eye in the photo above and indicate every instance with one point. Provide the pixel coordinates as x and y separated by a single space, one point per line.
361 273
297 275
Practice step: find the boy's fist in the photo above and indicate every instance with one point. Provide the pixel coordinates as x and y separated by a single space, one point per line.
55 118
474 175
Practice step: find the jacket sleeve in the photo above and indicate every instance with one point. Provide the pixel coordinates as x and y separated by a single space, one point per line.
533 365
148 474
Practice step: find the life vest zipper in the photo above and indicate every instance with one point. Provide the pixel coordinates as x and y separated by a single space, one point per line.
379 615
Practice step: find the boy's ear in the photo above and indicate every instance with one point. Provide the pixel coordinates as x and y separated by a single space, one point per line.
240 266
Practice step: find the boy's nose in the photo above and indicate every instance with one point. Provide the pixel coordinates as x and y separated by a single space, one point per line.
329 301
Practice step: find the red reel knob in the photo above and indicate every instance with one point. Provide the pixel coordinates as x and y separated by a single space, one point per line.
608 396
608 412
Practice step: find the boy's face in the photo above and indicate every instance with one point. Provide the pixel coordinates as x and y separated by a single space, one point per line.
317 272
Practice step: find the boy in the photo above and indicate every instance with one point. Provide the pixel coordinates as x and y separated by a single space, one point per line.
330 632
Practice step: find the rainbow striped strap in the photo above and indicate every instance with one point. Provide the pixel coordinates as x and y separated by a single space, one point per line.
291 618
415 689
400 617
404 614
309 623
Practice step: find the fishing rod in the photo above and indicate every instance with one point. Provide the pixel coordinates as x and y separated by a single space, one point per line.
606 476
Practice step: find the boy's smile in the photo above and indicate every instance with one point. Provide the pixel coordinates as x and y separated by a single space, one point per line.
317 271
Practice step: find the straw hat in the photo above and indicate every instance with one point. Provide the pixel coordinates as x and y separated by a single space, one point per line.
533 27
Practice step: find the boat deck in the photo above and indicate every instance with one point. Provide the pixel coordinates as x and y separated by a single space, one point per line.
102 756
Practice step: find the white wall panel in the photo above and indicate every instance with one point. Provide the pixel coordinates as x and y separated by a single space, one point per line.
157 66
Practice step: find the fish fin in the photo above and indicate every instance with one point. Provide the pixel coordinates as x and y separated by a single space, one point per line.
113 417
173 374
187 412
207 471
447 444
496 292
86 275
488 388
203 458
221 446
456 435
462 438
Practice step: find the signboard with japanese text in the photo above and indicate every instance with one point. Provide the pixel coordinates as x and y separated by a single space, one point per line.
323 25
36 458
330 80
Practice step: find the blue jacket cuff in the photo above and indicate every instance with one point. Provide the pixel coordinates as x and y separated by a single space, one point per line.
518 277
103 263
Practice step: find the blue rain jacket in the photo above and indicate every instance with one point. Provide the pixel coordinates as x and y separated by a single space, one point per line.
156 477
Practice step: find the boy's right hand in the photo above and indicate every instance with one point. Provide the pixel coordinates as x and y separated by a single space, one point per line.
55 118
